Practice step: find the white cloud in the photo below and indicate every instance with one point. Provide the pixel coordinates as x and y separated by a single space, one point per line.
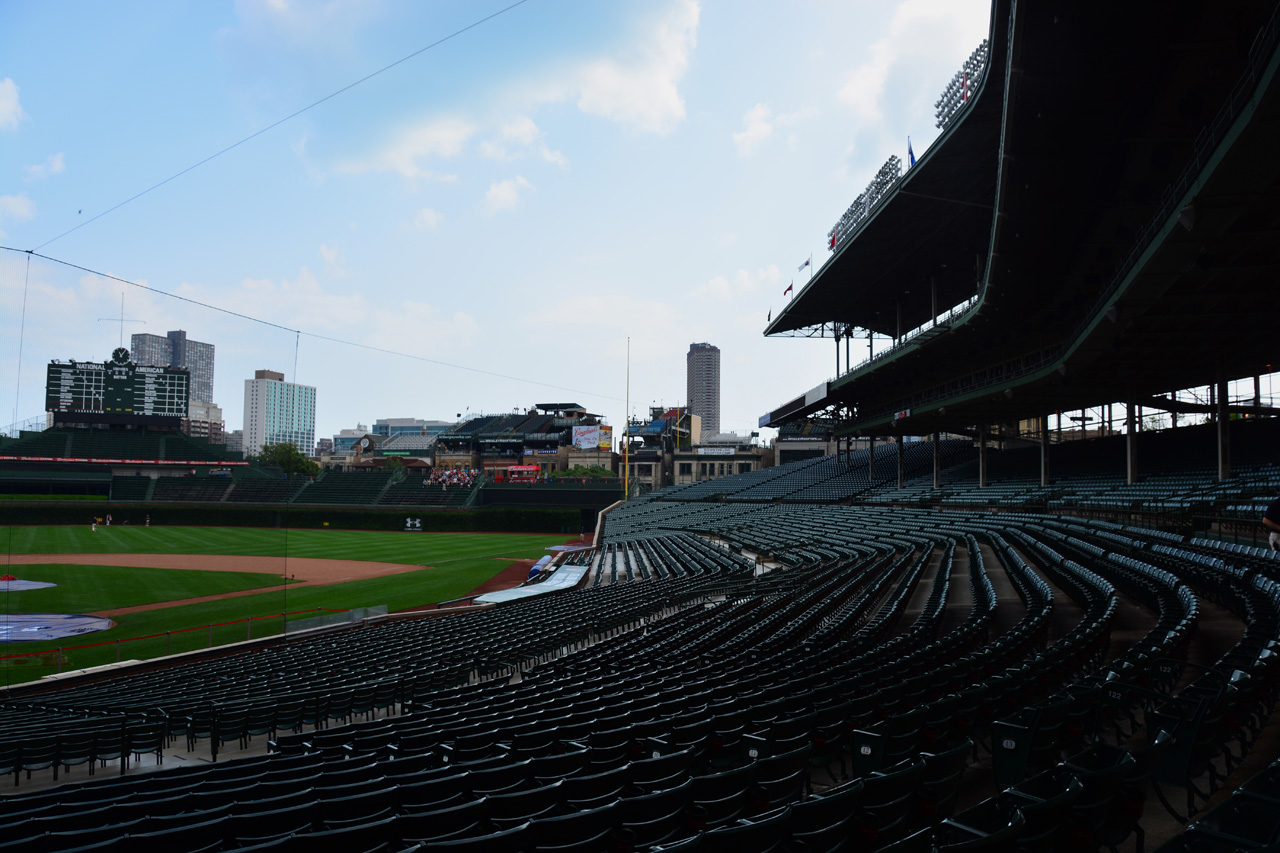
11 113
757 127
328 27
643 93
759 124
522 131
744 282
426 219
52 165
304 302
505 195
442 138
18 207
554 157
919 29
518 137
333 260
417 328
604 320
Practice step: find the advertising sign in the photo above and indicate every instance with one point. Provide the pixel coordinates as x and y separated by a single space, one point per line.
586 437
606 438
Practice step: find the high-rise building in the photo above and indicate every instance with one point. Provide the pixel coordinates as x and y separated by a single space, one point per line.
703 385
204 420
276 412
175 350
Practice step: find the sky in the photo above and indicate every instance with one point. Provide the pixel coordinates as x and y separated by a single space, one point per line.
549 206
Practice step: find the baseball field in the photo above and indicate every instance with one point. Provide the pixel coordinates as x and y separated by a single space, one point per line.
165 586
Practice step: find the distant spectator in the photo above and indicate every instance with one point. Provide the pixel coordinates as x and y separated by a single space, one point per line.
453 477
1271 520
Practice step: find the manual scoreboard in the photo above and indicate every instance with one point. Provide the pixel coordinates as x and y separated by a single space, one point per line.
117 388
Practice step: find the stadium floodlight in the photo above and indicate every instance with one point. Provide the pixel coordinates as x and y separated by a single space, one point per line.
961 87
860 210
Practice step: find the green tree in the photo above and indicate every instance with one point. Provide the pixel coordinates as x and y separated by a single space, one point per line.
589 471
288 458
394 463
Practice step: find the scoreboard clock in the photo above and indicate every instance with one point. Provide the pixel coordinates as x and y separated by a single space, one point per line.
117 387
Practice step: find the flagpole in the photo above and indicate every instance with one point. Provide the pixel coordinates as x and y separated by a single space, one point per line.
811 266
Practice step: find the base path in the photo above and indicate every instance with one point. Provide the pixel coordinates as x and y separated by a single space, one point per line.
302 571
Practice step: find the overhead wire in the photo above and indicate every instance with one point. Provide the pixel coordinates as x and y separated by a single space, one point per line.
302 332
279 122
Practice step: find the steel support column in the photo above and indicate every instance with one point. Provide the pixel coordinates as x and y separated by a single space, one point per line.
1224 426
1044 450
982 455
937 462
901 463
1131 442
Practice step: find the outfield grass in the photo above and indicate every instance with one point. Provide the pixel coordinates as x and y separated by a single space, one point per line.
460 563
421 549
84 589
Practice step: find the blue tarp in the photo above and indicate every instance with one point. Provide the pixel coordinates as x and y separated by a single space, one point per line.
565 577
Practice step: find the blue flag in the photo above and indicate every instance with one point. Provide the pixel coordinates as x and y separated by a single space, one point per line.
911 155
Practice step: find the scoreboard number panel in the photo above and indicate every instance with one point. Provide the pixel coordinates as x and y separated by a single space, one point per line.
117 389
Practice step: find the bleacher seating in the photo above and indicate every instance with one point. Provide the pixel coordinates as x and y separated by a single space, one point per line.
115 444
412 492
868 670
130 489
193 489
265 491
361 488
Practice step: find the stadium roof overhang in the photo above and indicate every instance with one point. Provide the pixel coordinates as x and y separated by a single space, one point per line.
1065 320
923 244
1198 306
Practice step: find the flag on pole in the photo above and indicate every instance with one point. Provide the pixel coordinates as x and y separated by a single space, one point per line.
831 244
964 90
769 319
911 155
790 287
802 266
